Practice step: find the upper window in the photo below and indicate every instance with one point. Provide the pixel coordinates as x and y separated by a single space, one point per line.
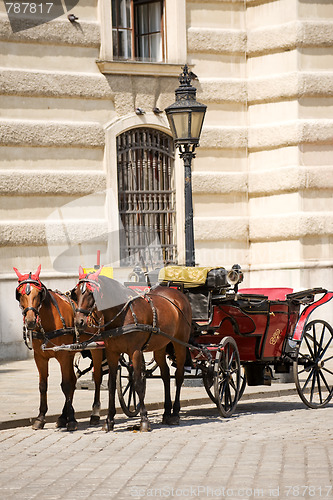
146 197
137 30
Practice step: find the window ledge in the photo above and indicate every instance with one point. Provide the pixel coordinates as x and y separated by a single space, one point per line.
138 68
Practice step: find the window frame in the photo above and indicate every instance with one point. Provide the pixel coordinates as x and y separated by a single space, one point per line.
175 44
146 197
133 31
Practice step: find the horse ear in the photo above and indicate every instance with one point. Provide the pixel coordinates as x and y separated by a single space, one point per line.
73 295
81 273
97 273
38 271
19 275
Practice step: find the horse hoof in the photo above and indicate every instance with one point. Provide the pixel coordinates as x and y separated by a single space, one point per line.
174 420
108 426
145 426
38 424
170 420
165 419
62 423
94 420
72 426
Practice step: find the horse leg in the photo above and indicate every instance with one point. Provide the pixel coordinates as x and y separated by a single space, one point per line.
97 357
43 369
180 352
113 359
68 382
139 385
160 358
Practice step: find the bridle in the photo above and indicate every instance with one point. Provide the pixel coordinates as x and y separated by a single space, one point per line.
91 286
28 282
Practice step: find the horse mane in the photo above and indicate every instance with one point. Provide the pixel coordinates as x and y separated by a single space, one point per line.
111 294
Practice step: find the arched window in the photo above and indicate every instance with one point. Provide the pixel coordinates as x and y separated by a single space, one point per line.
146 197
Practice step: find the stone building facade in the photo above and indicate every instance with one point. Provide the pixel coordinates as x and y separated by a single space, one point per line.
263 175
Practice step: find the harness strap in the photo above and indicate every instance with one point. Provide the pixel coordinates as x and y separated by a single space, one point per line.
54 302
133 313
24 312
121 330
153 308
171 302
86 312
53 334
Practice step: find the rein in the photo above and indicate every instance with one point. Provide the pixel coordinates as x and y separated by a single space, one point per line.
123 330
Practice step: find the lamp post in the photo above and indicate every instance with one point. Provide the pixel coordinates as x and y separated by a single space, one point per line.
185 118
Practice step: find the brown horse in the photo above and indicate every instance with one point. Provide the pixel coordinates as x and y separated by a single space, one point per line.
133 325
47 316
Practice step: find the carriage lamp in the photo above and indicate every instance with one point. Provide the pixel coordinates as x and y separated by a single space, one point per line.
185 118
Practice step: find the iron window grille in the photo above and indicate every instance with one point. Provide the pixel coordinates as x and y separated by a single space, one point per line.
146 197
137 30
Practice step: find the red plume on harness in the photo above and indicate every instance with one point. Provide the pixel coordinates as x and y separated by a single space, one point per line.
90 279
28 280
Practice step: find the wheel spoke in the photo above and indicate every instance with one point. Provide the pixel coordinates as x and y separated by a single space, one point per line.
327 370
128 386
302 371
319 387
231 359
322 338
306 338
313 385
233 385
325 348
314 340
308 380
325 381
222 389
228 401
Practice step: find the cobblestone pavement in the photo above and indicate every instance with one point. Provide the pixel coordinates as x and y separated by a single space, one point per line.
275 448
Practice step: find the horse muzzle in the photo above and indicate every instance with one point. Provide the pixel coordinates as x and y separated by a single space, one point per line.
31 317
80 323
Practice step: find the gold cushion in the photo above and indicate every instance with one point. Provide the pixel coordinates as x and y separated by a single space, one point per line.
189 276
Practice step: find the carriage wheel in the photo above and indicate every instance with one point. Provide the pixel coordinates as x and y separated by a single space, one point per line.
242 382
227 369
313 367
208 382
127 395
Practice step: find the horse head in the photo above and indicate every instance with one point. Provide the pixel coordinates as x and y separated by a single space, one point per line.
30 293
84 294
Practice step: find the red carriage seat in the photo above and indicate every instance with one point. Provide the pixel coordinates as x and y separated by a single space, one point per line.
271 293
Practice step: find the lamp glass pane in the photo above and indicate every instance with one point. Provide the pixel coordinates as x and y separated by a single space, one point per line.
197 121
181 123
172 127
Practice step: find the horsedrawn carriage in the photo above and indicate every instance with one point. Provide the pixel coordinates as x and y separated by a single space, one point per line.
245 337
233 336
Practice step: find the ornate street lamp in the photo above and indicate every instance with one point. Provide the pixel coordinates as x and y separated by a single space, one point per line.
186 117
